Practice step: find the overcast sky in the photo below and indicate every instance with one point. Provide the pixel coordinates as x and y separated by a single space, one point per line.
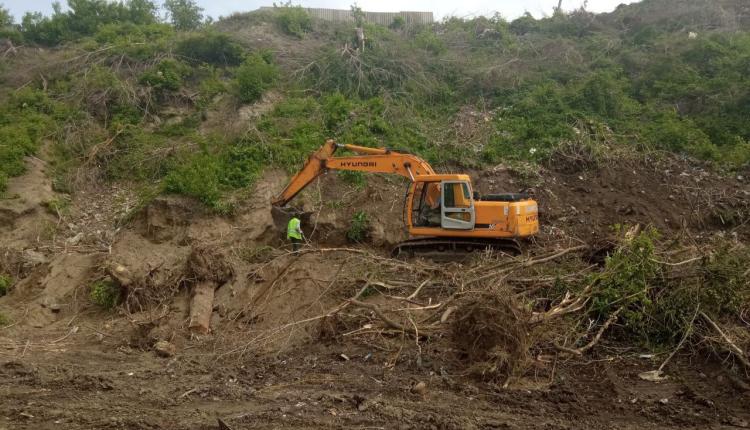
464 8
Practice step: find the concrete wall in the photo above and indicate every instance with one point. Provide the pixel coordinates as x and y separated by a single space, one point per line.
382 18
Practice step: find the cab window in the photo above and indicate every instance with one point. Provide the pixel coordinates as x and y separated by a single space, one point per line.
457 195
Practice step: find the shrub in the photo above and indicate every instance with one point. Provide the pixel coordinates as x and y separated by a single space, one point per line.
207 175
359 227
105 293
84 18
524 24
625 282
336 109
165 76
398 23
212 48
293 20
184 14
254 77
210 87
59 206
6 19
25 118
199 177
8 28
5 283
429 41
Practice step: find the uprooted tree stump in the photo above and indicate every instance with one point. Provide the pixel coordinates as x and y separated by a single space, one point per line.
491 333
209 271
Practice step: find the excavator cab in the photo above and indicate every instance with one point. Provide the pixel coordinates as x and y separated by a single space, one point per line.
443 203
457 205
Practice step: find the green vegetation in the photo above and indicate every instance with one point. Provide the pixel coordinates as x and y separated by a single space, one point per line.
184 14
5 283
27 117
4 320
155 102
7 25
253 77
359 228
292 20
59 206
657 306
211 48
84 18
105 293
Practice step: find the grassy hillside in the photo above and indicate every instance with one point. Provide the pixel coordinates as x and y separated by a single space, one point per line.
202 108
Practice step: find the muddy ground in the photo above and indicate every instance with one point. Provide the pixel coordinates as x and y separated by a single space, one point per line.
89 384
271 359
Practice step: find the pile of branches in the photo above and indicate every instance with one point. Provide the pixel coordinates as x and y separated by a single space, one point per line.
495 317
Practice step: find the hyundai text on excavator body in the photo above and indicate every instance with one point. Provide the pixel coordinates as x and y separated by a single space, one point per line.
441 211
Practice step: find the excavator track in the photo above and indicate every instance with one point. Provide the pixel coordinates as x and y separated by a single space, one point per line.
447 248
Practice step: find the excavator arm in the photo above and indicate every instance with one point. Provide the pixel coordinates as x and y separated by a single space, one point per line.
370 160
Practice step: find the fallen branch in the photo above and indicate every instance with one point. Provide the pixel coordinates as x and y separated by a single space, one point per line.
528 263
579 351
568 305
379 312
738 352
414 294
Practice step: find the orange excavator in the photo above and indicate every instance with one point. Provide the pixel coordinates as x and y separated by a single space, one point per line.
441 211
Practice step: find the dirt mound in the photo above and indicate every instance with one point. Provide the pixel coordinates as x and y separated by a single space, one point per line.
675 195
23 212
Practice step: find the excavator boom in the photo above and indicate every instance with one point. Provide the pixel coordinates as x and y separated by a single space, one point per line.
370 160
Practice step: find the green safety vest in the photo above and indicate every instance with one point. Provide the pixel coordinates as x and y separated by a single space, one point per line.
293 230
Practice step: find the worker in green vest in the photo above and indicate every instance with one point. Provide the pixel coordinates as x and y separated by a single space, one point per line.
294 232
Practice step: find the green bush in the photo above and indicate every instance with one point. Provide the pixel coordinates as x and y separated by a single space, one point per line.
184 15
84 18
5 283
211 48
8 28
198 176
629 274
336 109
59 206
429 41
254 77
359 228
293 20
166 76
658 309
398 23
218 168
211 86
524 24
25 118
6 19
105 293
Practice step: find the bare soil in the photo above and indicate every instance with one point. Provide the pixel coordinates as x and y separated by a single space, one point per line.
272 360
